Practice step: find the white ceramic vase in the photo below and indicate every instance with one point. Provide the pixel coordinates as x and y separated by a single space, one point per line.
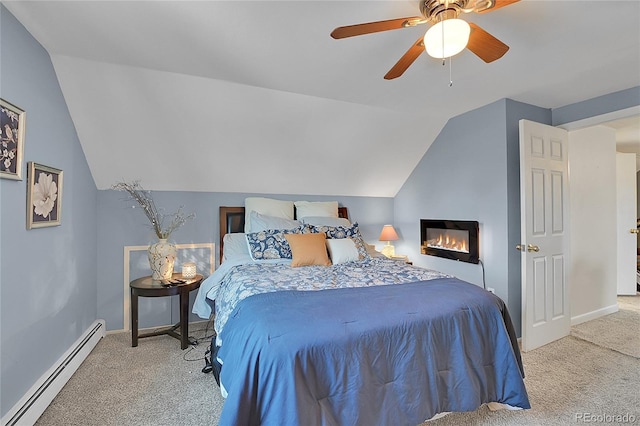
162 256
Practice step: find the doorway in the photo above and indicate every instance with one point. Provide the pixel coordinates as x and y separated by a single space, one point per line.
591 249
625 124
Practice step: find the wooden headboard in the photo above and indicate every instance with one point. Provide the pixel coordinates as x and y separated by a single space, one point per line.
232 220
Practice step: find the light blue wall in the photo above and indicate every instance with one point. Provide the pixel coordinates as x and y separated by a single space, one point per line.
119 225
48 275
611 102
471 172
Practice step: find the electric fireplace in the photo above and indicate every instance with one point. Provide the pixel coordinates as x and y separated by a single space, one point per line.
451 239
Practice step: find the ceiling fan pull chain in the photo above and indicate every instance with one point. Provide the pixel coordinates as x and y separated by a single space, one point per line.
450 73
442 38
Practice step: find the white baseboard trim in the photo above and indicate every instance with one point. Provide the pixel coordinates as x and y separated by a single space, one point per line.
579 319
31 406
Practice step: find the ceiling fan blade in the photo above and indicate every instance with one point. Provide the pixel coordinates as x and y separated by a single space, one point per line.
484 45
374 27
498 5
407 59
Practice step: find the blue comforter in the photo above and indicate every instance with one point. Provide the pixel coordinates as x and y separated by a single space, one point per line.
393 354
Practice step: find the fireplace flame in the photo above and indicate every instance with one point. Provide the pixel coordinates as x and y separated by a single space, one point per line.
447 242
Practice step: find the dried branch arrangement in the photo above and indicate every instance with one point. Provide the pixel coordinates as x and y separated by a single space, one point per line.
155 215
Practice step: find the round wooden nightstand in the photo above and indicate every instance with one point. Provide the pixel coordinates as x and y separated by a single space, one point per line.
148 287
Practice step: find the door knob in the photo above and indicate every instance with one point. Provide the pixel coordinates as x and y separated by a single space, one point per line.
531 247
634 230
520 247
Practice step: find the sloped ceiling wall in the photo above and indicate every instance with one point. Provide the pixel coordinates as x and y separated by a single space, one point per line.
185 132
254 96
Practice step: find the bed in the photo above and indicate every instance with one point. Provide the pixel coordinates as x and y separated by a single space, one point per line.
368 340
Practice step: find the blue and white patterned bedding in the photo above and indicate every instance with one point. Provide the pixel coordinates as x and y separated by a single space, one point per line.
249 279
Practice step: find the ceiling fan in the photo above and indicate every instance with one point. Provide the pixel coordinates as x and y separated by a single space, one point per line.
447 36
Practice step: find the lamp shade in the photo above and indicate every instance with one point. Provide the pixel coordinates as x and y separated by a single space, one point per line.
447 38
388 234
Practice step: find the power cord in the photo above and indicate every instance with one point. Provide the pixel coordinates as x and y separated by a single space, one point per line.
195 341
210 353
208 365
484 284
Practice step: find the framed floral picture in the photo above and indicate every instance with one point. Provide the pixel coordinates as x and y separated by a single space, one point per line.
12 123
44 196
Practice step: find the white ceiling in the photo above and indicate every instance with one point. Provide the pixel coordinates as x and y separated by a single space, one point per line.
255 96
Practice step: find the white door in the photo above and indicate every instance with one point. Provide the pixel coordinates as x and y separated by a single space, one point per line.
627 223
544 202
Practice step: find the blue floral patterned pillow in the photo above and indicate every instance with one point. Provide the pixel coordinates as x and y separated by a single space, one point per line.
338 232
271 243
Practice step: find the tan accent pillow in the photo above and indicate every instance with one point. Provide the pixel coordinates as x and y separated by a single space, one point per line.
308 249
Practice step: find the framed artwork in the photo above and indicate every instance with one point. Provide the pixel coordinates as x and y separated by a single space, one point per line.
44 196
12 123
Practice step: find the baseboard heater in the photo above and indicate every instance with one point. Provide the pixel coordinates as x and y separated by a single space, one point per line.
37 399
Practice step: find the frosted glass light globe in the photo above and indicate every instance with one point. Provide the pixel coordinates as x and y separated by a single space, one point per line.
456 36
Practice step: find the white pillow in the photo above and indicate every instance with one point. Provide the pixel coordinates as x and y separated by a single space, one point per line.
235 246
342 250
268 206
262 222
316 208
326 221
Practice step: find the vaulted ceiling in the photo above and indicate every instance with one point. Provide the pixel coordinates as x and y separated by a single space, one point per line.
255 96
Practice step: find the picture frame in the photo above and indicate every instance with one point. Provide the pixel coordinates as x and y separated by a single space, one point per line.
44 195
12 128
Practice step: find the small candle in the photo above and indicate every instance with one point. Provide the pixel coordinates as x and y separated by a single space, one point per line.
188 270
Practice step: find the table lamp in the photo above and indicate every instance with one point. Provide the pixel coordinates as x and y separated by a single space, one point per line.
388 234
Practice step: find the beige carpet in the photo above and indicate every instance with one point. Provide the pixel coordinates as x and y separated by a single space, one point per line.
619 331
154 384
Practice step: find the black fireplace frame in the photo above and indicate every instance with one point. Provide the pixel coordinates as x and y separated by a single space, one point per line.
471 226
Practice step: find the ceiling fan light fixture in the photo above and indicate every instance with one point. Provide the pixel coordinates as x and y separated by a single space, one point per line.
456 36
